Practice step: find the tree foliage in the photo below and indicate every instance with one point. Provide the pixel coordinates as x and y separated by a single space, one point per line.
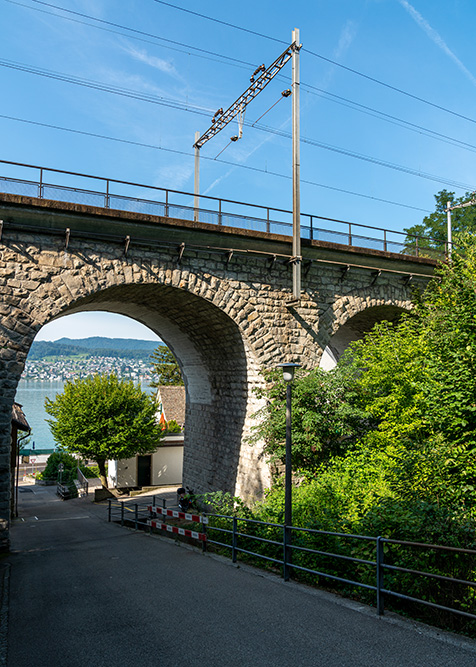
404 396
101 418
165 367
324 423
432 231
418 378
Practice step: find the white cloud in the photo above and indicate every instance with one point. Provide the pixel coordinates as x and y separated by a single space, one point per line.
346 38
436 38
174 177
153 61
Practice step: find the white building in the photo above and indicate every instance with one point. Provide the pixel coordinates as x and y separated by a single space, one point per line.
164 466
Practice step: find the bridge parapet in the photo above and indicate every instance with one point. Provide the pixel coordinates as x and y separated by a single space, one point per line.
106 193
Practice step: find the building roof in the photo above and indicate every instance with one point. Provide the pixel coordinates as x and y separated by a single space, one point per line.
171 402
18 418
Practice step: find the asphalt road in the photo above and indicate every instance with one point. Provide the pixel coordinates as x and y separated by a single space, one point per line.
85 592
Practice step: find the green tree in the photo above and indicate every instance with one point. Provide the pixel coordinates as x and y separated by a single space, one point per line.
325 421
101 418
166 367
432 231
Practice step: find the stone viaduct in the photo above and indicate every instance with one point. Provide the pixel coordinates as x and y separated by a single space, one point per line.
218 296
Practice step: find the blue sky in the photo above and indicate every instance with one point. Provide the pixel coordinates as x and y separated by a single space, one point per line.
424 48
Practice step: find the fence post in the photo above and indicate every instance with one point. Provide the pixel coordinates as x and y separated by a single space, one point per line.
385 240
350 234
286 552
109 510
40 185
416 247
234 539
219 212
380 582
106 201
267 221
204 531
122 514
166 212
136 515
311 228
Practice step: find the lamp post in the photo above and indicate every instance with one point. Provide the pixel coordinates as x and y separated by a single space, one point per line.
288 376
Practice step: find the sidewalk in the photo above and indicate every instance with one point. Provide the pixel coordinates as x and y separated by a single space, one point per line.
86 592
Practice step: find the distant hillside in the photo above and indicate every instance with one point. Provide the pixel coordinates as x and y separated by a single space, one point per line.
95 346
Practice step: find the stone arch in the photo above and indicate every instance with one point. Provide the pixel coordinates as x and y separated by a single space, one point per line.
195 315
217 366
352 315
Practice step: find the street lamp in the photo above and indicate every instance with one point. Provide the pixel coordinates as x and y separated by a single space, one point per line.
288 376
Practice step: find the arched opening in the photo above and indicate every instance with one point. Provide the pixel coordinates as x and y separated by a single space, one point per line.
354 329
76 346
211 353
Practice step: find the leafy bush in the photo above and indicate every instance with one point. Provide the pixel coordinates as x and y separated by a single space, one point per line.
70 465
173 427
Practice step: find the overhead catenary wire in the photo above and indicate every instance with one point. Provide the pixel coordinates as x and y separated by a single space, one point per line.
134 33
375 113
321 57
218 57
185 106
226 162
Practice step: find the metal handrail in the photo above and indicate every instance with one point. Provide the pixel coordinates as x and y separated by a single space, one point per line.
379 565
352 233
83 482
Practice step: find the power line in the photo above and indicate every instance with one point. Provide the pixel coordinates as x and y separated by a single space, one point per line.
171 44
215 20
368 158
390 87
318 55
242 64
401 122
184 106
96 85
226 162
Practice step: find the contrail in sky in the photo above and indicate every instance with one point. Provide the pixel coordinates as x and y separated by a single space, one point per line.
436 38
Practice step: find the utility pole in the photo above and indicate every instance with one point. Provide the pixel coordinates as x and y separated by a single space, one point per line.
449 233
197 178
221 119
296 258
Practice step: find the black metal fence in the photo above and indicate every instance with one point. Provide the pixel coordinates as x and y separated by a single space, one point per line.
35 181
406 576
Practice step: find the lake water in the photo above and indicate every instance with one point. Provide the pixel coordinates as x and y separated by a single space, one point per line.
31 395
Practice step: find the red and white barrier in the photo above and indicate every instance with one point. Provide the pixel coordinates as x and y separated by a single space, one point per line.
197 518
178 531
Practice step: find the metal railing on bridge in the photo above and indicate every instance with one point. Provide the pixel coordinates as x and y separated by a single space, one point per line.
108 193
413 575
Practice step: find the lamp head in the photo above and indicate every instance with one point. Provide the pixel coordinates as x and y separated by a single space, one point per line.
288 371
